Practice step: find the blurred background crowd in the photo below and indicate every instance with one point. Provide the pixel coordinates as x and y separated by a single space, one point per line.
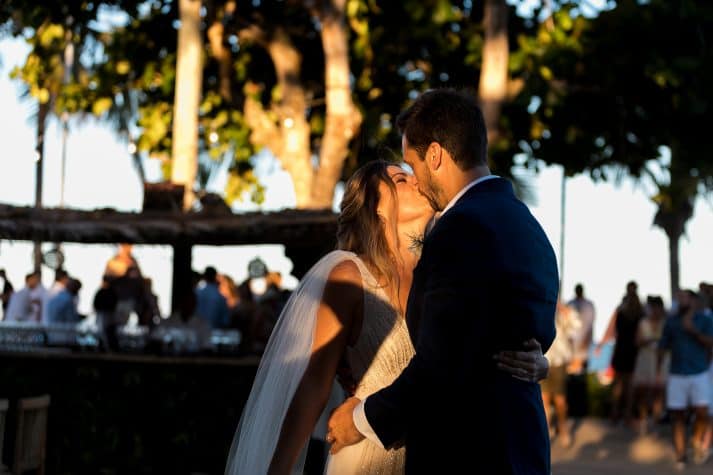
655 361
125 301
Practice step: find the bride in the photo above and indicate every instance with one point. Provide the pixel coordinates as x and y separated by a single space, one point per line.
347 310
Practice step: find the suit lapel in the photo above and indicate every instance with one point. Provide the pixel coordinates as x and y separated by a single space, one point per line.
493 185
418 285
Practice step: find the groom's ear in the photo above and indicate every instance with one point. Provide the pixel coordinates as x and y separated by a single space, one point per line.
434 155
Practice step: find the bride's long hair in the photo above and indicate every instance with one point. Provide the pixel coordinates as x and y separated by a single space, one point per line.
360 228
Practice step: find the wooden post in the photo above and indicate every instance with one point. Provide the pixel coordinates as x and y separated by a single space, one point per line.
182 273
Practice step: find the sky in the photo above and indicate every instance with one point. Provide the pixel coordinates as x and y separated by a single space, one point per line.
609 237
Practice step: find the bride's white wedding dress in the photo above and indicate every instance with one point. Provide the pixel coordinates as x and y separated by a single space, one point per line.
381 352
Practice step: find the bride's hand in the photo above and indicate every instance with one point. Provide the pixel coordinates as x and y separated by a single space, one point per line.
530 365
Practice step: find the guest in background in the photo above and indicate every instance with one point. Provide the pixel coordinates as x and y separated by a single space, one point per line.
271 302
243 316
105 301
582 339
577 383
688 335
130 293
707 444
61 277
7 290
210 304
62 308
26 304
706 340
149 312
705 291
623 326
648 388
228 289
554 387
121 262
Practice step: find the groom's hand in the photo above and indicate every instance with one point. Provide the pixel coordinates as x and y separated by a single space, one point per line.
341 430
529 365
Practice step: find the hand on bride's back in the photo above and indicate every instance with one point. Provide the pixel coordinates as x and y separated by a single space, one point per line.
528 365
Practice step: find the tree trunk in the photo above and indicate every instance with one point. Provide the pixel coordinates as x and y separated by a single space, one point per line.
493 85
296 156
216 37
42 114
672 216
189 76
342 119
673 253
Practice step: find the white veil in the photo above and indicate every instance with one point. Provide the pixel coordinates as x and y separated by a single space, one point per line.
281 368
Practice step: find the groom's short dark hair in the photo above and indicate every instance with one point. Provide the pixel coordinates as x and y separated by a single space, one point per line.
453 119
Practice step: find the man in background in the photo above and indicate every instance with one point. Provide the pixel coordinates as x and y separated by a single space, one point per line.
210 303
687 335
61 277
582 339
26 304
7 290
581 342
62 308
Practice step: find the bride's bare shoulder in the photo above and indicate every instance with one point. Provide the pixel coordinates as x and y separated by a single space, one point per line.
346 271
344 293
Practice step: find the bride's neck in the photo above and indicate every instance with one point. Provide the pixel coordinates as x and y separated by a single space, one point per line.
410 241
410 238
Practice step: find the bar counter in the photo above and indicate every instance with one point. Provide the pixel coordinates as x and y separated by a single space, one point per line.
116 413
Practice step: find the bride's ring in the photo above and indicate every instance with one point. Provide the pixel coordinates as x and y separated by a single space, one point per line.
329 439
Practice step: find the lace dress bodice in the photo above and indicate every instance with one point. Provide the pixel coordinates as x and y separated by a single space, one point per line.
381 352
383 348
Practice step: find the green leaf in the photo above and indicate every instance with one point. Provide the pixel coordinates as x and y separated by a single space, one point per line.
101 105
546 73
50 33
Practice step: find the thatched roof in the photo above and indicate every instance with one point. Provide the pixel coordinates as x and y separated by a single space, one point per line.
293 227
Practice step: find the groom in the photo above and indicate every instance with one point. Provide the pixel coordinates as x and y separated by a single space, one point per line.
487 281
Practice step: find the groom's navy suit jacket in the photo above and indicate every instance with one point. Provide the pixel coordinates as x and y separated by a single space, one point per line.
487 281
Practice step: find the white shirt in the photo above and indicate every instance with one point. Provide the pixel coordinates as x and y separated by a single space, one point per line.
19 308
25 305
359 415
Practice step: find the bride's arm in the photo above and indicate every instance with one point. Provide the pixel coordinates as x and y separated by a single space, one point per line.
343 297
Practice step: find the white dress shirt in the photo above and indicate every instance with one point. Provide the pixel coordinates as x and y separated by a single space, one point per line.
455 199
359 414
